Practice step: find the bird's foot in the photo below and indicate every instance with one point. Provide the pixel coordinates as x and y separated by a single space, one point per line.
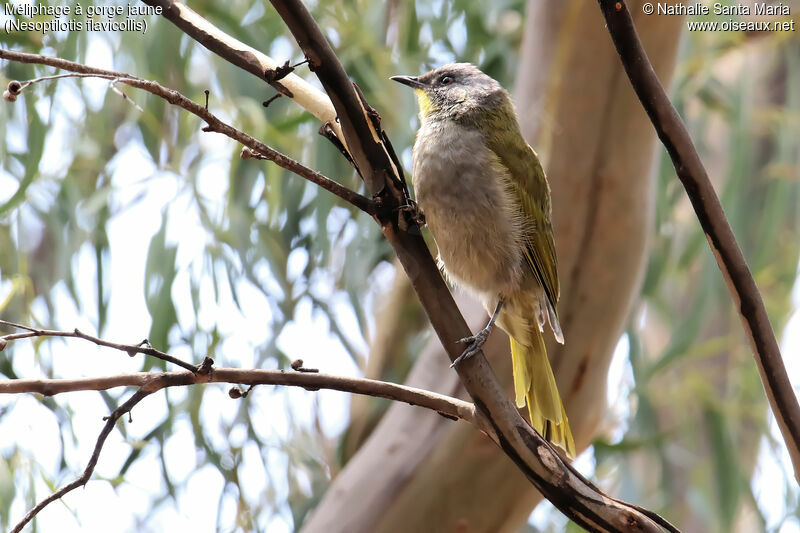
474 344
413 211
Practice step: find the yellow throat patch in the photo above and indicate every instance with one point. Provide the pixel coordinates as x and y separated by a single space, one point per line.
425 104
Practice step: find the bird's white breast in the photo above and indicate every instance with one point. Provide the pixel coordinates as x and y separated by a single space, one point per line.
463 190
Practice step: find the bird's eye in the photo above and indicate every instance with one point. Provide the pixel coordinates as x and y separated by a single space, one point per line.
446 80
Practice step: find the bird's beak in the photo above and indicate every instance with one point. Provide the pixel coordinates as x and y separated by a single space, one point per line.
411 81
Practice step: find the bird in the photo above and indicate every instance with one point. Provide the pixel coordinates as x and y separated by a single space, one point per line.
486 202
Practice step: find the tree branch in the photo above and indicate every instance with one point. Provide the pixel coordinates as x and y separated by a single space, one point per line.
249 59
214 123
150 382
131 349
693 176
444 405
138 396
543 466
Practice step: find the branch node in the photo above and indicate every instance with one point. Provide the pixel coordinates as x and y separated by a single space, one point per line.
236 392
205 367
247 153
297 366
273 75
313 62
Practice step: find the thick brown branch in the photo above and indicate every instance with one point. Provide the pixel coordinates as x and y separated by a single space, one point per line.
363 140
693 176
542 465
214 123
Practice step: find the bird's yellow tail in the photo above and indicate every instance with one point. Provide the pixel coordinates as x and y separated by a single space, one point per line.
535 385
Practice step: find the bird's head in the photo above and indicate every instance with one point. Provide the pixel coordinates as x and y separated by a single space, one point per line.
454 90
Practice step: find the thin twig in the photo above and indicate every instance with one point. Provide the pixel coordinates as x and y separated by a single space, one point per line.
130 349
214 124
693 176
126 97
22 86
87 473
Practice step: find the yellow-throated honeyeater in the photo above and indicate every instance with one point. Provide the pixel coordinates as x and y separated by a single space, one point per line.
487 203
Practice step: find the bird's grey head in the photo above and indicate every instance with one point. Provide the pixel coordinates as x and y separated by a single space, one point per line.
454 89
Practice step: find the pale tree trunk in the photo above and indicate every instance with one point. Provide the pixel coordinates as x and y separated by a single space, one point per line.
420 472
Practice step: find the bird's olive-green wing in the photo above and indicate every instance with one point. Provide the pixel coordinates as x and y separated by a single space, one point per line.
532 191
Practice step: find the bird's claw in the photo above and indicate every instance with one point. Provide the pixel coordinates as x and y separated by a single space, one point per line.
474 344
412 209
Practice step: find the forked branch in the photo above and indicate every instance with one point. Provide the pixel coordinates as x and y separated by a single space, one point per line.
111 419
150 382
214 124
249 59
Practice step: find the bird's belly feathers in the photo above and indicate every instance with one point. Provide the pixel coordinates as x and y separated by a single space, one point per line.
462 189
